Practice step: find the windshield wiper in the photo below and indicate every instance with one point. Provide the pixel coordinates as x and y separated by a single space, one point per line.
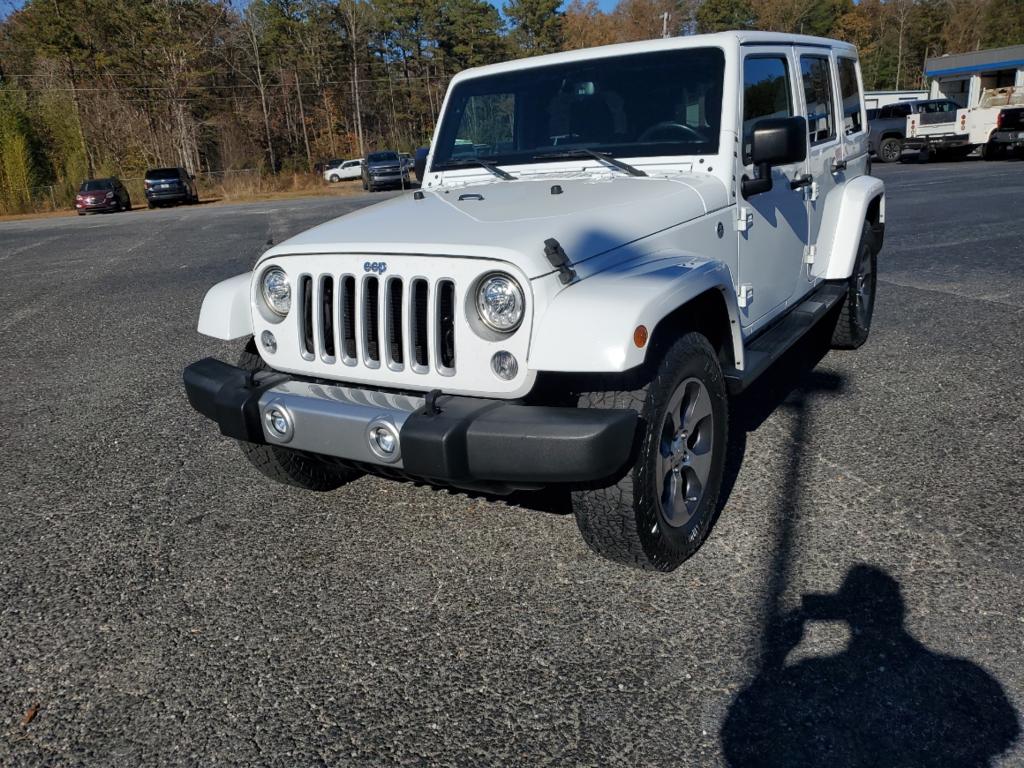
604 157
486 165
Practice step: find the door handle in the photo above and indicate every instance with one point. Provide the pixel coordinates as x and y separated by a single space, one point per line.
803 180
838 165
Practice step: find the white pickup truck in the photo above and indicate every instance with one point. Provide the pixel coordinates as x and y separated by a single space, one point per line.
606 244
996 126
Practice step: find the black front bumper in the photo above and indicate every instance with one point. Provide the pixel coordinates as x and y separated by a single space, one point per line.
465 441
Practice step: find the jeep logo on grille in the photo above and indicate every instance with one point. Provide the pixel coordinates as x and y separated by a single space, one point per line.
377 267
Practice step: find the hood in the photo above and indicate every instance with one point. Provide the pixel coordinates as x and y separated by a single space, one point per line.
510 220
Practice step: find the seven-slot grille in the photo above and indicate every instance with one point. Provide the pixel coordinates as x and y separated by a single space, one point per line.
370 321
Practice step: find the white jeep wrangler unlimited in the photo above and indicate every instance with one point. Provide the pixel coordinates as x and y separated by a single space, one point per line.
606 243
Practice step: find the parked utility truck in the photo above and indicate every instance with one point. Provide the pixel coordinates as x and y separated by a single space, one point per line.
606 245
995 126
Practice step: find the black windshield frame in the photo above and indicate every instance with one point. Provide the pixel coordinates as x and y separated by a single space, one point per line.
611 104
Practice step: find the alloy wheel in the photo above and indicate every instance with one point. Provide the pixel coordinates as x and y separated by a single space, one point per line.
684 456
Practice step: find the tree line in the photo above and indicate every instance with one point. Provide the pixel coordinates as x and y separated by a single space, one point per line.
105 87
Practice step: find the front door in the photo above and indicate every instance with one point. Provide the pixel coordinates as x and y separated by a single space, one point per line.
773 225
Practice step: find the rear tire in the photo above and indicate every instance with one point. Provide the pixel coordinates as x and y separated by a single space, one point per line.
285 465
854 321
993 151
890 149
660 512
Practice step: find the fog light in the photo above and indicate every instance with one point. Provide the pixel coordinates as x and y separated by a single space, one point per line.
383 439
278 422
504 365
268 341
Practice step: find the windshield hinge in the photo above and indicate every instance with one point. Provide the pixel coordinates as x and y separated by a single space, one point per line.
810 251
559 260
744 219
745 295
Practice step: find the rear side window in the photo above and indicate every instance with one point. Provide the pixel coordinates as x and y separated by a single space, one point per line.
821 118
766 93
163 173
849 88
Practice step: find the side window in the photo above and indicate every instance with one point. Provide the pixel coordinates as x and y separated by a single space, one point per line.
766 93
849 88
821 118
901 110
885 111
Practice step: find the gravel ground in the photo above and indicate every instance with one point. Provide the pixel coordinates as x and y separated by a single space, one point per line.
161 604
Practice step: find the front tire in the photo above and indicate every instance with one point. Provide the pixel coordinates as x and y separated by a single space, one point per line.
854 321
660 512
335 178
284 465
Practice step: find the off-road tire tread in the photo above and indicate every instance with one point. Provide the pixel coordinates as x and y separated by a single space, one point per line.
608 518
287 466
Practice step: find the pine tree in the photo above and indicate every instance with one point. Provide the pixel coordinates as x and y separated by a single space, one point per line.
720 15
536 25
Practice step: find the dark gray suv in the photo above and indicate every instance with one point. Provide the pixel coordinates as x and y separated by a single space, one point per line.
384 169
168 186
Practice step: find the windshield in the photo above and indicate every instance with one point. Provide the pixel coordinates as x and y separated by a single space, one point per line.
96 186
382 157
641 105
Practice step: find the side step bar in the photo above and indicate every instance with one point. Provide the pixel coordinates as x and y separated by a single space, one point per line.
770 345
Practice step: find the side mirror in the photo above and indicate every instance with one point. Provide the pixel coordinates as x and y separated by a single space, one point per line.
420 162
775 141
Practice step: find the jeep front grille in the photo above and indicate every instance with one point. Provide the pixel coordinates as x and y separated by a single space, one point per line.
371 321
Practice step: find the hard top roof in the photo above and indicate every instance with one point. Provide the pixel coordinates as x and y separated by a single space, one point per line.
731 39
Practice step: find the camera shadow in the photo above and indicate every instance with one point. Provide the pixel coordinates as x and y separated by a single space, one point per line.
885 700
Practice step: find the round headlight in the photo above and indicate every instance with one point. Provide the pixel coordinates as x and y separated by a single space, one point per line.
499 302
277 291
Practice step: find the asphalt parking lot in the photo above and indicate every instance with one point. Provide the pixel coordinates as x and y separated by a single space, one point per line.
162 604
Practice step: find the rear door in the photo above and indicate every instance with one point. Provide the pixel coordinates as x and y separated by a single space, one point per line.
854 124
825 150
770 249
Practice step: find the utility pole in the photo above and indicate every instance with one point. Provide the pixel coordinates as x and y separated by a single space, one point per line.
664 24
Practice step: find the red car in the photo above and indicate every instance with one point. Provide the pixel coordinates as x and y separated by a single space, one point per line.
102 195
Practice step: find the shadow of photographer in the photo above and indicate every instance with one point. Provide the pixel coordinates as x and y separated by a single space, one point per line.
886 700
